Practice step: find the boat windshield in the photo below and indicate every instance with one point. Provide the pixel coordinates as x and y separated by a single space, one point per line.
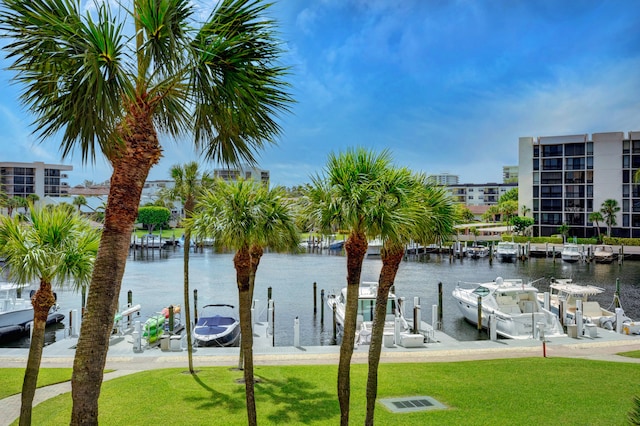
367 307
481 291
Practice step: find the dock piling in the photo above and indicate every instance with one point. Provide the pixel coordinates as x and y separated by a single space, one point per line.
440 305
315 298
479 313
195 303
322 306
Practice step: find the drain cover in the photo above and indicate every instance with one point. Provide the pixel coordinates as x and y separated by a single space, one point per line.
411 404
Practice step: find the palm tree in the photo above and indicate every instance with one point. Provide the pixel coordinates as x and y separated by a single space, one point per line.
411 210
188 184
79 201
564 231
246 216
349 197
596 217
14 203
55 246
106 91
609 210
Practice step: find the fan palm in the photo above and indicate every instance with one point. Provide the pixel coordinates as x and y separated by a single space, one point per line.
412 211
105 91
55 246
188 184
609 210
349 196
247 217
596 217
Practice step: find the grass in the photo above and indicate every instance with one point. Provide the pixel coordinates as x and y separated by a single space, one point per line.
166 233
497 392
631 354
12 379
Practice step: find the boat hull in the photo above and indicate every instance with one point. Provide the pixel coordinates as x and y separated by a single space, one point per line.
217 331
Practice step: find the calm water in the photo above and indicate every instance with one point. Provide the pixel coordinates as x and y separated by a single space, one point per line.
155 280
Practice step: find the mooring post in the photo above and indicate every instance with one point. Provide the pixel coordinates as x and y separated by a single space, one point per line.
269 293
296 332
195 303
335 327
129 298
322 306
491 253
479 313
440 305
171 323
273 321
315 298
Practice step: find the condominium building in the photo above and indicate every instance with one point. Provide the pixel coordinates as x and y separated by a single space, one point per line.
444 179
563 179
44 180
510 174
472 194
242 172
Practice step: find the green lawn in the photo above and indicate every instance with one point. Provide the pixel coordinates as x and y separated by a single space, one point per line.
496 392
11 379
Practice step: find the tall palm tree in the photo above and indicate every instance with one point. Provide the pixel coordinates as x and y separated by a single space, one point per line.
188 184
609 210
105 91
55 246
349 196
246 216
412 211
79 201
596 217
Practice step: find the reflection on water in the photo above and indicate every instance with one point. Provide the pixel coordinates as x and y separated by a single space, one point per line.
156 280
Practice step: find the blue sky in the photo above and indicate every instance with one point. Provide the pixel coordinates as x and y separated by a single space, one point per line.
446 86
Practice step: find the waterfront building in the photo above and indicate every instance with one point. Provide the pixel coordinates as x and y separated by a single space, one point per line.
44 180
244 171
563 179
479 194
510 174
444 179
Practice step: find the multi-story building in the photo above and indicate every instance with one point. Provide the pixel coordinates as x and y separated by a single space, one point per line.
510 174
444 179
243 172
473 194
44 180
563 179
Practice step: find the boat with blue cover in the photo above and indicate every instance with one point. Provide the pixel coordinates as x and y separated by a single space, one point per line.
218 325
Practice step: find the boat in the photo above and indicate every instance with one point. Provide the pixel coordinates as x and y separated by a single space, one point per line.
336 245
367 295
476 252
16 313
507 251
374 247
603 254
571 253
213 329
515 305
566 293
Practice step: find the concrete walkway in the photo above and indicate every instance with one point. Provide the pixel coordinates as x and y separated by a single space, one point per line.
124 361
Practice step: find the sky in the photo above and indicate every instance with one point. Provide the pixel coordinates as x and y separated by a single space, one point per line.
445 86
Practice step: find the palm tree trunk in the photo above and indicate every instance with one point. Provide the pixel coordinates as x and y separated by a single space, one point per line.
187 305
391 259
131 162
356 248
42 302
242 263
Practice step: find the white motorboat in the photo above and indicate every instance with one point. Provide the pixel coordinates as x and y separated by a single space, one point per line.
571 253
477 252
216 329
514 304
16 313
566 293
374 247
507 251
366 310
603 254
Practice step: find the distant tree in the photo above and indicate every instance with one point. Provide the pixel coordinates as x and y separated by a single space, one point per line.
521 224
524 209
79 201
32 198
609 210
152 216
564 231
14 203
508 209
491 213
463 214
596 218
510 195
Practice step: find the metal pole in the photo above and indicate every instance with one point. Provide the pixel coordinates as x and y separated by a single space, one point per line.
315 298
322 306
440 305
335 327
479 313
195 303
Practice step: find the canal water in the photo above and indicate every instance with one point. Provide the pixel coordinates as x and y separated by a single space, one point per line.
155 279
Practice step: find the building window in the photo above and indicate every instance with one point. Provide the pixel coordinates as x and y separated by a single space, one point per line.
636 147
551 178
551 205
625 176
574 177
625 147
625 190
635 161
552 164
589 148
574 149
536 178
536 151
536 164
552 151
589 162
590 176
625 161
551 191
589 191
575 163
